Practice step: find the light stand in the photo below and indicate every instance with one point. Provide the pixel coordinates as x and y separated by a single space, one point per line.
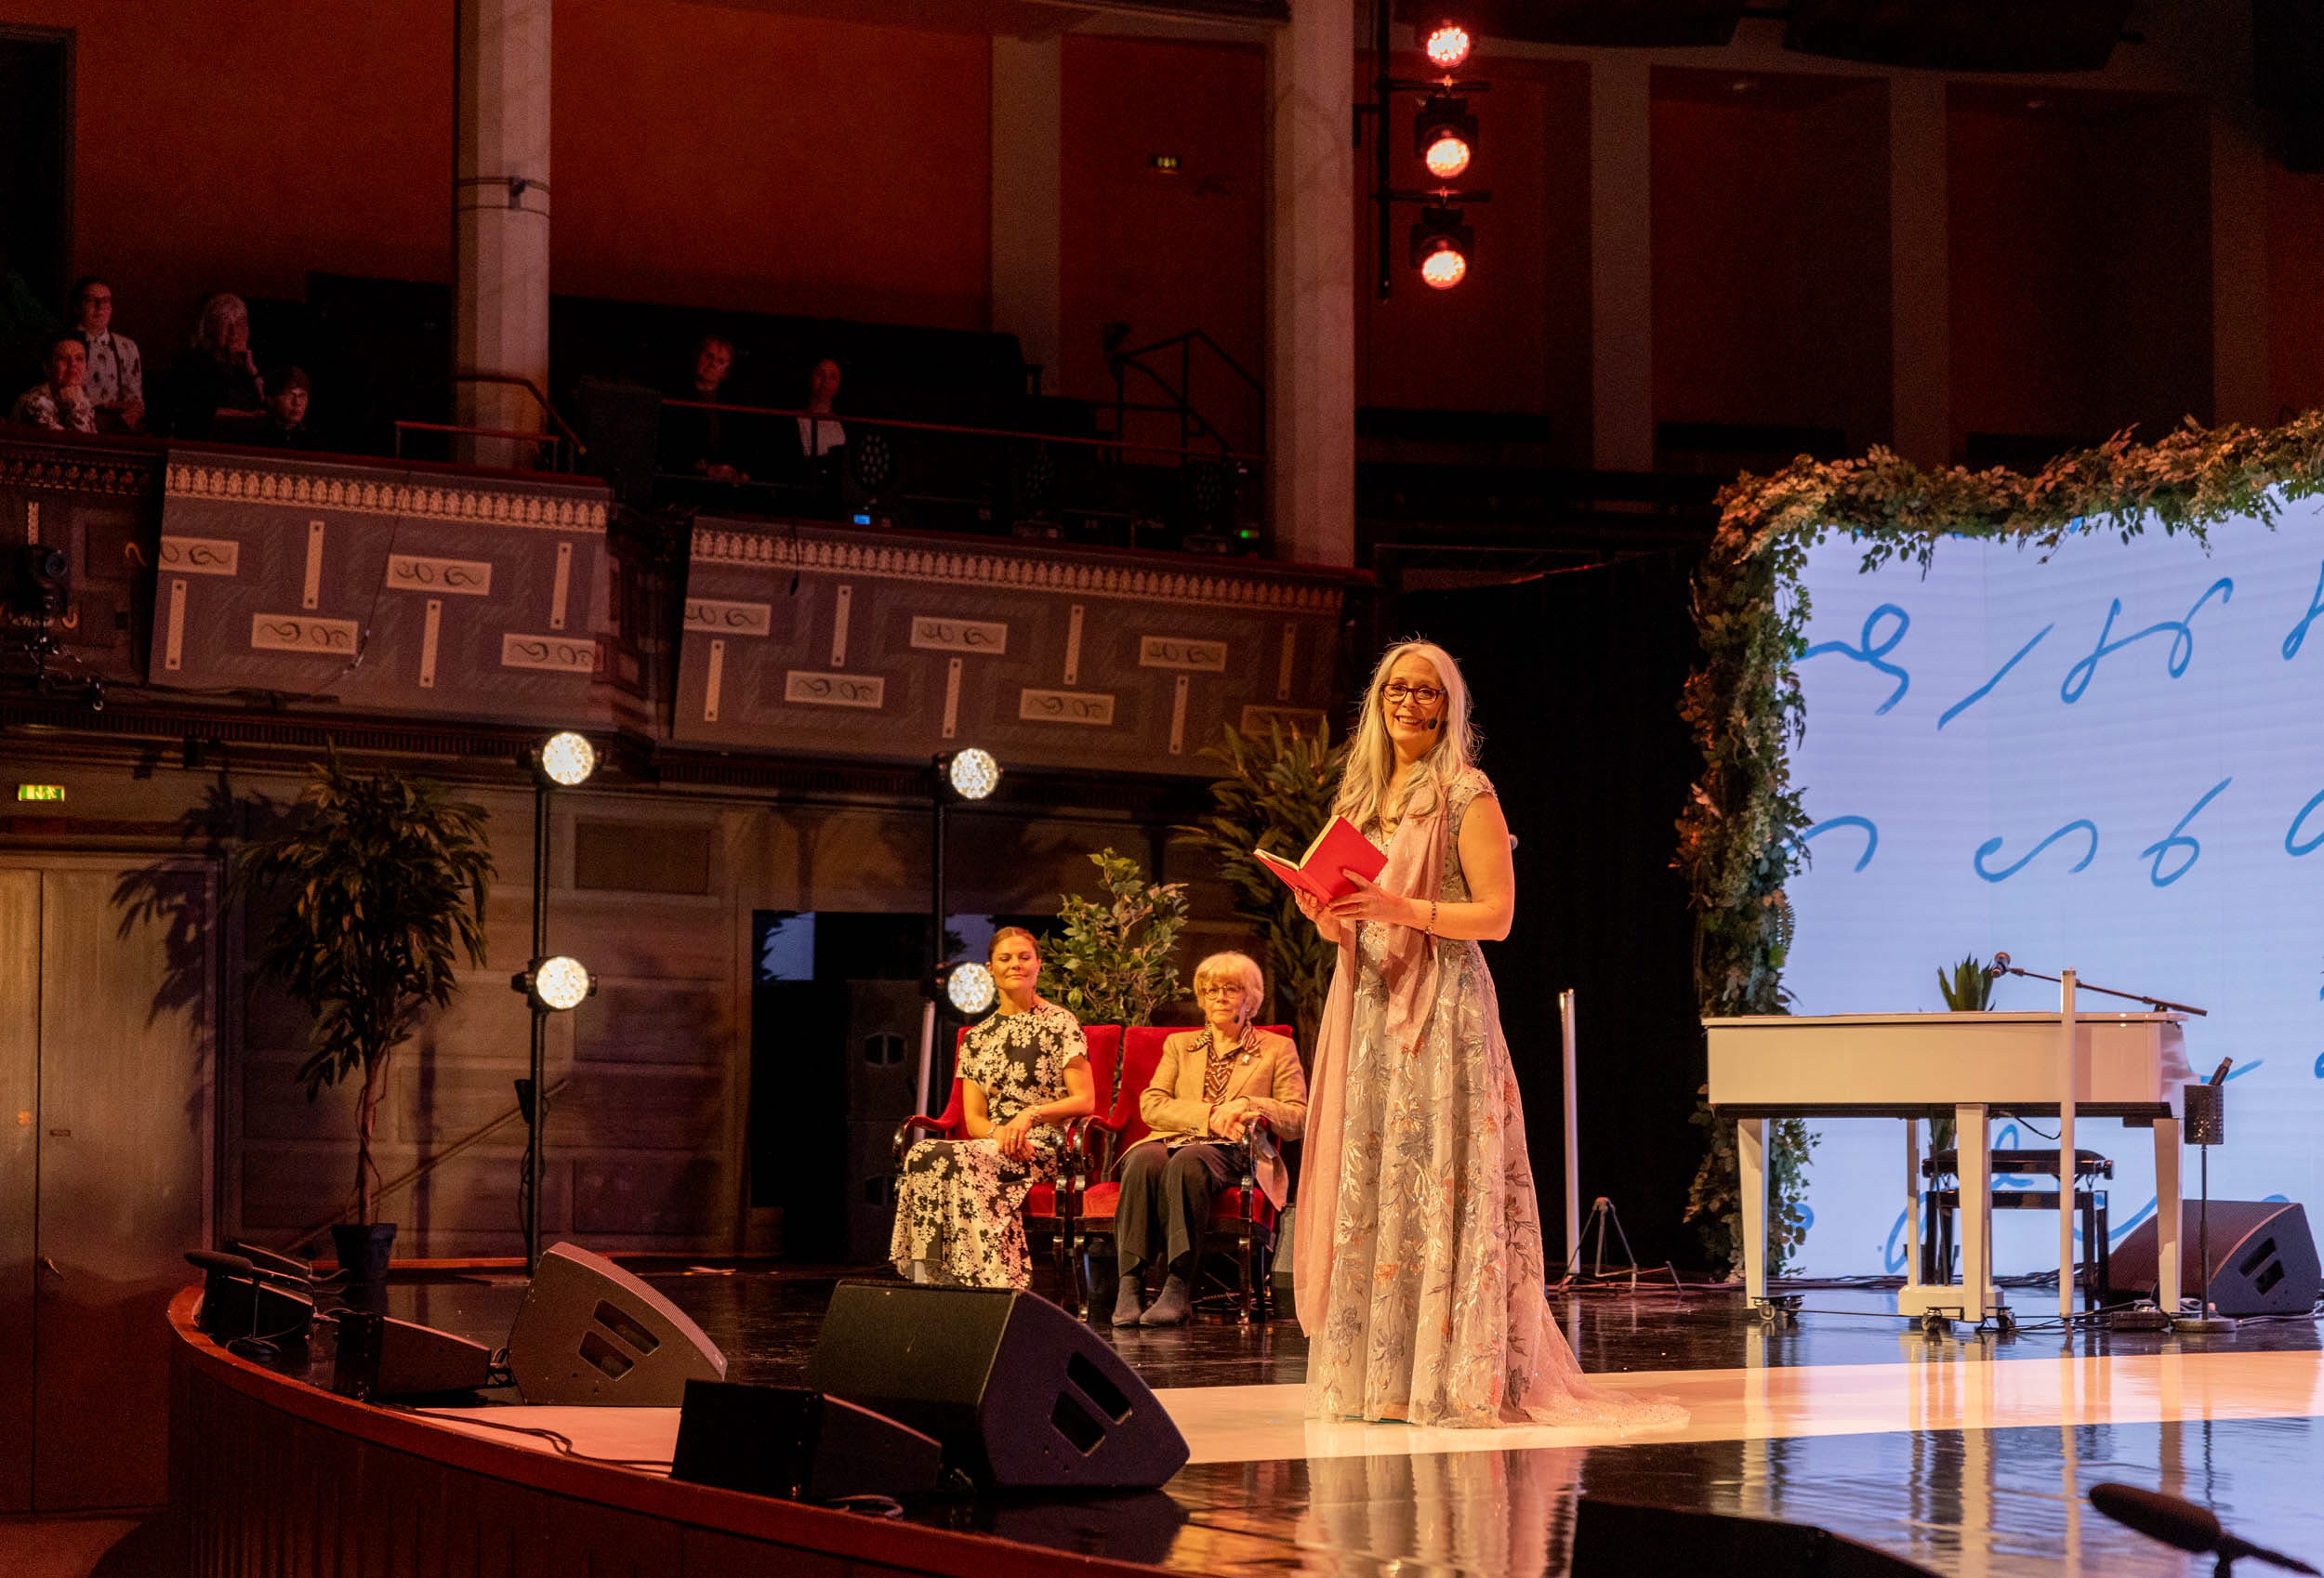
551 985
967 774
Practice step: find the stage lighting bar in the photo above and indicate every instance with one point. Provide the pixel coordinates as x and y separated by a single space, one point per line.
973 773
557 984
967 987
566 759
1445 135
1441 246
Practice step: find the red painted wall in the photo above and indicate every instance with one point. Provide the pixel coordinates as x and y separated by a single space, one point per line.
726 156
237 145
704 155
2295 290
1771 252
2080 263
1164 252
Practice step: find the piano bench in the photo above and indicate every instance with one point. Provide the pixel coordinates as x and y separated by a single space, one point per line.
2096 1271
2040 1163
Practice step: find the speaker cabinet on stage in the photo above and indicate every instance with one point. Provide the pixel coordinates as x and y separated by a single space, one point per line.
839 1050
1616 1540
589 1332
416 1360
799 1445
2263 1256
1018 1391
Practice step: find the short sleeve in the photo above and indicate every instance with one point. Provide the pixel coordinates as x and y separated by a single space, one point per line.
1466 790
1066 1041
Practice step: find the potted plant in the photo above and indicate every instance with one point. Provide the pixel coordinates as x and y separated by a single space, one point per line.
1110 962
1968 990
1277 794
381 882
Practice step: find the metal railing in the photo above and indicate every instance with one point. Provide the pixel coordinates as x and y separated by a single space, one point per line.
566 450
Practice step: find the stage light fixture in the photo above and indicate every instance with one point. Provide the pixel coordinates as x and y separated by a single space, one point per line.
1441 244
968 986
1444 136
973 773
1447 45
566 759
557 984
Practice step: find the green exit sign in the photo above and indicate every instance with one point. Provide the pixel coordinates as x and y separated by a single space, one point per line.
40 791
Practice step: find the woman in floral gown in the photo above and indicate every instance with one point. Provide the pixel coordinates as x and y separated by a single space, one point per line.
1023 1072
1418 1240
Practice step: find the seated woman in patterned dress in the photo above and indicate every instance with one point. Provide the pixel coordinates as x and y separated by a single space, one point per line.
1024 1073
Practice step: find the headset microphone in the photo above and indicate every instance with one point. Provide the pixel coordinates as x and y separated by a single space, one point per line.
1433 724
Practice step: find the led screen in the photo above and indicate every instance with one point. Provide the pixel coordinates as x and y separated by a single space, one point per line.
2110 758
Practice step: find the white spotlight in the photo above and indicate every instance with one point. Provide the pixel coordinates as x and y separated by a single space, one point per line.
973 773
561 983
969 988
567 759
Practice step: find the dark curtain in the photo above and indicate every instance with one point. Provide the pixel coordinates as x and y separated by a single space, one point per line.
1576 678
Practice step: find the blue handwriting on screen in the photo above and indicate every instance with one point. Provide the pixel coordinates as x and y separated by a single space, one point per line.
1979 695
2181 640
1871 834
2176 839
1872 651
2293 843
2316 608
1992 846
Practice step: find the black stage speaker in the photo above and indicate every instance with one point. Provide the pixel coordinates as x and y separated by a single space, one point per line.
1019 1392
240 1302
2263 1256
799 1445
589 1332
416 1360
1615 1540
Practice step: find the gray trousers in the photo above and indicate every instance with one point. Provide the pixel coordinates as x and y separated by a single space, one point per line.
1165 1203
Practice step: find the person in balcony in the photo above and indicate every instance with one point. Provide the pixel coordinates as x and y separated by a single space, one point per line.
819 434
696 444
215 389
1209 1086
1023 1072
288 394
116 372
60 400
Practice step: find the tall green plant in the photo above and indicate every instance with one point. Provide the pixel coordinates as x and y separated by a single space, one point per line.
1276 795
382 880
1111 961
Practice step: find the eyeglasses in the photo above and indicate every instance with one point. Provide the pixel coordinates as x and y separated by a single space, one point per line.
1396 693
1219 989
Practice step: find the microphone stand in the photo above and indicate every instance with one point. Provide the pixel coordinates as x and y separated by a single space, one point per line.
2002 967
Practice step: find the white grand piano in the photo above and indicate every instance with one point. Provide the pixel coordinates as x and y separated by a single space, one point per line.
1977 1065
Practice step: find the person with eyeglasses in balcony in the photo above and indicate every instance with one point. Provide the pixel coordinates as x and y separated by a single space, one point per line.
1418 1256
1205 1094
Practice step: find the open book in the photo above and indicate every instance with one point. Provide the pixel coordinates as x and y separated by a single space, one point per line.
1337 849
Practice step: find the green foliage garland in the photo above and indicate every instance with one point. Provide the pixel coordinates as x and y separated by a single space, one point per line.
1277 794
1740 836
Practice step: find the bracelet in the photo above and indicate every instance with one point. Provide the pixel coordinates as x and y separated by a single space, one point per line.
1431 927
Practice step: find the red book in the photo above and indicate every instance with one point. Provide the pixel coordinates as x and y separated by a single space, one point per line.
1339 847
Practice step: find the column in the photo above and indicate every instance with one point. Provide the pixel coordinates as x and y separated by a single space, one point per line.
1028 198
1311 283
2238 266
1621 262
1919 294
500 219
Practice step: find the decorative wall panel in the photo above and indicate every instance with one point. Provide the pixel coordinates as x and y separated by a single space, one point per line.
899 646
382 588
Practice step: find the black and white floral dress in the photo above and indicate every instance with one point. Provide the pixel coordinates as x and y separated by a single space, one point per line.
957 1200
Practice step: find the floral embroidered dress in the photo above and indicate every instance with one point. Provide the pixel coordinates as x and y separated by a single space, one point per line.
1426 1246
957 1200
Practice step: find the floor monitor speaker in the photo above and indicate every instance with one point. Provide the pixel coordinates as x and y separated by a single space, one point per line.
589 1332
799 1445
1016 1389
1616 1540
416 1360
2263 1256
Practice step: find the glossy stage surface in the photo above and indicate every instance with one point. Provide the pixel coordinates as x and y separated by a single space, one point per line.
1970 1454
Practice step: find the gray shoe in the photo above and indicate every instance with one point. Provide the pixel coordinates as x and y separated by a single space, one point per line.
1172 1307
1127 1303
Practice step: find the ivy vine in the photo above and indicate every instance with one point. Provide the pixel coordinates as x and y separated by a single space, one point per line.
1740 833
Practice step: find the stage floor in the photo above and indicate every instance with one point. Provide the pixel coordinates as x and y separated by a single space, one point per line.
1968 1455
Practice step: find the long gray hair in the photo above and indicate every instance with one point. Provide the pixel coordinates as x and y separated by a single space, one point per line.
1372 755
218 314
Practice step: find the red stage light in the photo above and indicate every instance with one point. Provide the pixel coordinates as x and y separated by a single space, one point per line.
1447 45
1443 268
1446 157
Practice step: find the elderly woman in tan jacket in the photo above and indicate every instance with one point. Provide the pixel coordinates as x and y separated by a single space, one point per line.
1209 1085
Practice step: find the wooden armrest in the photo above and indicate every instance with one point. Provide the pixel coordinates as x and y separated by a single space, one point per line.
903 1132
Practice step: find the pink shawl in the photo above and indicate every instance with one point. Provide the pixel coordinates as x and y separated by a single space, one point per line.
1416 868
